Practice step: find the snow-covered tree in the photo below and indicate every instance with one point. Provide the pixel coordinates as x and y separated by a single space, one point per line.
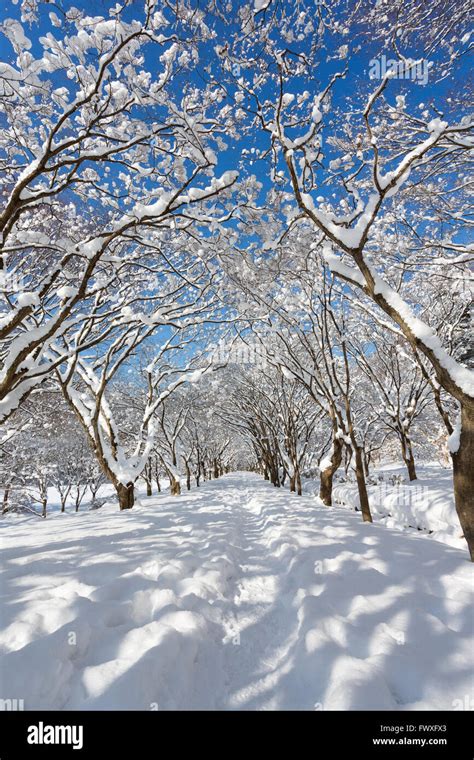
99 155
350 162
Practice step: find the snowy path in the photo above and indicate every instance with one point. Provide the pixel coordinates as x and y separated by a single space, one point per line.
235 596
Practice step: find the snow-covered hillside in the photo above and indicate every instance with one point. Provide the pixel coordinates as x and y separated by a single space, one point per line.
237 595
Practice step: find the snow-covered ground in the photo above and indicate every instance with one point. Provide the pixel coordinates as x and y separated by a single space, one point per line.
236 595
426 504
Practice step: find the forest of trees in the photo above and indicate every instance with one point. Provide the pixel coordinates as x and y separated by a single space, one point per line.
224 245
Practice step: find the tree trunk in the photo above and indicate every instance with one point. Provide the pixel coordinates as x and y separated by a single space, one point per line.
408 458
275 475
216 469
292 483
361 485
299 489
126 495
463 476
157 476
44 503
327 475
175 487
348 459
188 473
147 476
410 463
367 458
6 495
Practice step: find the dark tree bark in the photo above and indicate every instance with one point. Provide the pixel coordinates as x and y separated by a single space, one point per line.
327 475
361 485
408 458
147 475
6 496
175 487
299 489
367 459
157 476
126 495
463 476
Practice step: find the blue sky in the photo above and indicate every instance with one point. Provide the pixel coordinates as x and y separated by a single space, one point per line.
349 94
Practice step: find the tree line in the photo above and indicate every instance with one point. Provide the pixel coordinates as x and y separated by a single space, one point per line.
333 242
